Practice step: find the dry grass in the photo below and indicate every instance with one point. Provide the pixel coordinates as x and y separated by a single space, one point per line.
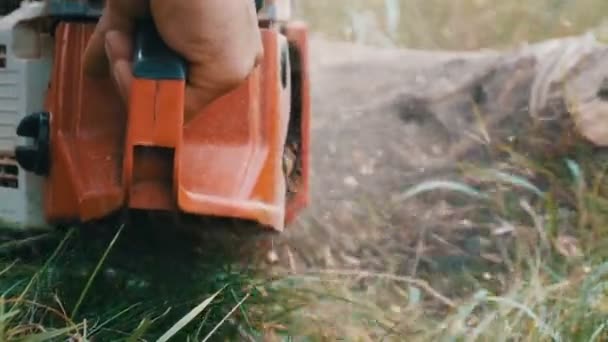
457 24
539 275
538 272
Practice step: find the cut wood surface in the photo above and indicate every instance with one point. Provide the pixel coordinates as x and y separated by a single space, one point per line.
386 119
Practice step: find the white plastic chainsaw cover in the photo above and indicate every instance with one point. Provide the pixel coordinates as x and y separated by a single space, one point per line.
25 68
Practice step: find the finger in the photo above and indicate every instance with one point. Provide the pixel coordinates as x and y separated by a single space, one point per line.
198 96
95 59
119 52
219 39
119 46
121 72
203 90
119 15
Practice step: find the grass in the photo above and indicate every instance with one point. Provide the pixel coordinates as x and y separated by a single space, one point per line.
88 292
532 268
538 273
541 274
454 24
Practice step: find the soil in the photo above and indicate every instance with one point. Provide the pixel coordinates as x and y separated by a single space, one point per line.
386 119
363 150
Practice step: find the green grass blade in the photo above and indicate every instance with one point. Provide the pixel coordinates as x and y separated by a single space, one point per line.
575 171
2 324
440 185
596 334
244 313
179 325
140 331
528 312
112 319
50 335
238 305
514 180
95 272
42 269
5 317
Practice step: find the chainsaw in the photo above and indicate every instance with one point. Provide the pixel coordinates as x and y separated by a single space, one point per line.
72 152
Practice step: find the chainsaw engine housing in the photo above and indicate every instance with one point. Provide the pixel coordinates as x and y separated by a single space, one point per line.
71 151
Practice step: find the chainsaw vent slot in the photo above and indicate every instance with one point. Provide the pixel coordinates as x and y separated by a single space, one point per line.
152 177
9 173
2 56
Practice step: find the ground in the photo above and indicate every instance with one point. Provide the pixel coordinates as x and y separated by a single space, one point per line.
364 152
389 119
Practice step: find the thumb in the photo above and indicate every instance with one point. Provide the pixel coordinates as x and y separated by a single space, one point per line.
119 49
119 16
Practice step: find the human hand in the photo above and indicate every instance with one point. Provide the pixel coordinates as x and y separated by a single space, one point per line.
219 39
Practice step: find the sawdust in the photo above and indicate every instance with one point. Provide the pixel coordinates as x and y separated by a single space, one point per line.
292 167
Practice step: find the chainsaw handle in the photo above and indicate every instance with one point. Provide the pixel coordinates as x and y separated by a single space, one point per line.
152 58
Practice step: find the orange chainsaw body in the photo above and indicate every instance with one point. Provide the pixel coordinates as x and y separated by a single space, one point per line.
227 161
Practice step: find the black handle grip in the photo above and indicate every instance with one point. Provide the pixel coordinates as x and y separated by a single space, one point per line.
153 59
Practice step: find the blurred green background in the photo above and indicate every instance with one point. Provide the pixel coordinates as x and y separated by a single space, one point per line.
450 24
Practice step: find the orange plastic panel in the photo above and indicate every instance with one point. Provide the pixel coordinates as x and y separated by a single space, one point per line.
87 135
155 126
227 161
230 159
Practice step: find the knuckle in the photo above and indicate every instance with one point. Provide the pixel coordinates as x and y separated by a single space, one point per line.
234 71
